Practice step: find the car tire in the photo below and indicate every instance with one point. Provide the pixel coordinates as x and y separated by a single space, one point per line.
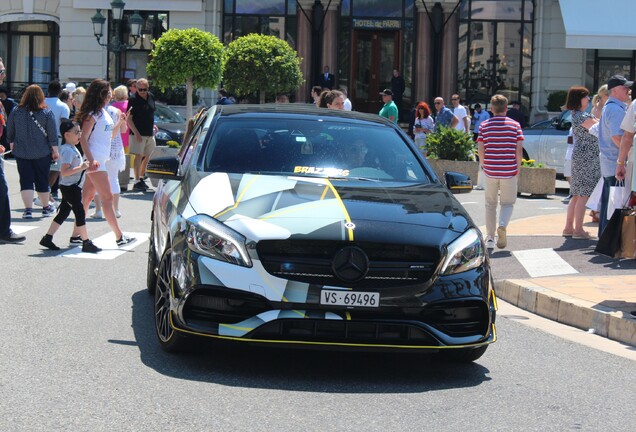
463 355
169 339
151 271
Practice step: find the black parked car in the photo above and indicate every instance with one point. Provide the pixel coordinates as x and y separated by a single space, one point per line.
170 123
288 224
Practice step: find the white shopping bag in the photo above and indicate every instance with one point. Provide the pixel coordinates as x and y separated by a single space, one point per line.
594 202
618 197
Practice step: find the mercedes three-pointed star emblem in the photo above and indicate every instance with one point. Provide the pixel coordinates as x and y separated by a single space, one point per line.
350 264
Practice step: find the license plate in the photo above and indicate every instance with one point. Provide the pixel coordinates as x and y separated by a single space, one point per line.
350 298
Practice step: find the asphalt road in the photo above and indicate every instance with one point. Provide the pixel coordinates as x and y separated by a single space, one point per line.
78 353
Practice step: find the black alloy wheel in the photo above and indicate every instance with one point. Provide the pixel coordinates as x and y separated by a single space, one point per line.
151 271
169 339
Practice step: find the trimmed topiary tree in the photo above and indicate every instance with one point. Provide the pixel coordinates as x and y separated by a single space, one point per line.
450 144
189 56
260 63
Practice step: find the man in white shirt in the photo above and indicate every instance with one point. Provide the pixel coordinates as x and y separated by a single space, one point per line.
461 114
53 102
625 170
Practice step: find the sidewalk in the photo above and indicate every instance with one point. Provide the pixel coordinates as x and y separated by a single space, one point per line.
601 304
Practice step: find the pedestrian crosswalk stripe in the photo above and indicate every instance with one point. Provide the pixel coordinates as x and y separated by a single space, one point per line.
21 229
543 262
109 247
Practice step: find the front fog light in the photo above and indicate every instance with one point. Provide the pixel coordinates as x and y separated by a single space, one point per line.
465 253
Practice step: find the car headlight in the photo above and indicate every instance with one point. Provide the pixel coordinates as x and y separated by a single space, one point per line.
209 237
163 136
465 253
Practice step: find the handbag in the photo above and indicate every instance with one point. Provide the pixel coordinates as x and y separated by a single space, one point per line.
610 241
628 236
617 198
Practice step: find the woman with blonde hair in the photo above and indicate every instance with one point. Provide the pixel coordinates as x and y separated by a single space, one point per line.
32 132
97 134
598 101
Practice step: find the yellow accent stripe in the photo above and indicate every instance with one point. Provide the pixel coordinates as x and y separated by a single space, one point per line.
299 313
348 316
238 200
239 339
236 327
324 193
344 209
159 172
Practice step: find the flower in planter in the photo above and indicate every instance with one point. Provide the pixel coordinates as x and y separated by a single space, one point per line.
531 163
173 144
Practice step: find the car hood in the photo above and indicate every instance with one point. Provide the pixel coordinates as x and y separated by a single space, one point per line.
266 207
177 128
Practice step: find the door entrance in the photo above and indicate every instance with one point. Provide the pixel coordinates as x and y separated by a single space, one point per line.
375 55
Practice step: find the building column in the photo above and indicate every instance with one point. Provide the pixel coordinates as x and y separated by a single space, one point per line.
449 58
423 61
330 41
303 47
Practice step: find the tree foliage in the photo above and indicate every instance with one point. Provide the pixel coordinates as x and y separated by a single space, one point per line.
450 144
192 57
261 63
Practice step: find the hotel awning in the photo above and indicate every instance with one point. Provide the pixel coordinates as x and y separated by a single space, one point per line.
599 24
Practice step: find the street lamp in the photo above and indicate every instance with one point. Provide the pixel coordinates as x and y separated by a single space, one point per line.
117 7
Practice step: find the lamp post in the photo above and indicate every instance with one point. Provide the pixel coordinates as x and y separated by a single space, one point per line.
117 7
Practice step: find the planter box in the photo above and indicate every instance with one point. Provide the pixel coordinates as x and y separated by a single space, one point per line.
160 152
469 168
537 181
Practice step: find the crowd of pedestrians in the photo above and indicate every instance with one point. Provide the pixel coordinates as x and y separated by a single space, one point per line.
75 140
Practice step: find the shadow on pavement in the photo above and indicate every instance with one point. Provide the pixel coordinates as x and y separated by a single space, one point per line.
239 365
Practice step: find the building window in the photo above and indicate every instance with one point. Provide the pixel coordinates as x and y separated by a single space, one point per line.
29 50
495 50
602 64
131 63
269 17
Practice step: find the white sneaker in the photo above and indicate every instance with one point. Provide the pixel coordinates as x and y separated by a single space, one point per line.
37 201
98 215
490 243
117 214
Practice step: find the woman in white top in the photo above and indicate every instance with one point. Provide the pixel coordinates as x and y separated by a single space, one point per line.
117 159
97 133
422 126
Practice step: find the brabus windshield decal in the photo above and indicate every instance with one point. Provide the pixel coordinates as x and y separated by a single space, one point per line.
331 172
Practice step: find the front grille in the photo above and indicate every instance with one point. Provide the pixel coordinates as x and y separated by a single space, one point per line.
310 261
344 332
459 318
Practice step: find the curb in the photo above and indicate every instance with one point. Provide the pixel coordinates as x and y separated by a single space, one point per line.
567 310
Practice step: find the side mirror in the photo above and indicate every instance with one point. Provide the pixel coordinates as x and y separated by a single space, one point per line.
163 168
458 183
555 122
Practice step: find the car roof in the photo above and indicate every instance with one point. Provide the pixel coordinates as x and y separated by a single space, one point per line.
297 109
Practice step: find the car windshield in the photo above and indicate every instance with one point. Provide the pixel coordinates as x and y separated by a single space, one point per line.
312 147
164 114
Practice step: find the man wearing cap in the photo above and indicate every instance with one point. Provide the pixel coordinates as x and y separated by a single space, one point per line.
389 110
609 138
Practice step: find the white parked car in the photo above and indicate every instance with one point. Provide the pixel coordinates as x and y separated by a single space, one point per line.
546 141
